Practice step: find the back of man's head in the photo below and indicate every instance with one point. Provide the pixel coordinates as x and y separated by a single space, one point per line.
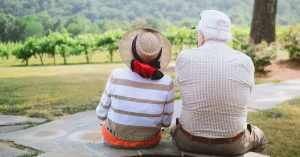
214 25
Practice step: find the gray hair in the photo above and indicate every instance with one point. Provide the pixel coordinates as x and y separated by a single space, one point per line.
214 34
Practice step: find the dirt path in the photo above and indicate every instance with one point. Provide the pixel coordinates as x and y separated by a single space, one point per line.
282 70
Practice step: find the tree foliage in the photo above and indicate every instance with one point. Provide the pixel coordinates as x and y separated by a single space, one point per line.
110 41
20 19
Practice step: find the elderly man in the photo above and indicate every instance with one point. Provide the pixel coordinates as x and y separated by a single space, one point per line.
215 82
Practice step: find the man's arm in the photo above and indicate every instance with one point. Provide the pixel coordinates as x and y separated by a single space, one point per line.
168 108
180 61
105 101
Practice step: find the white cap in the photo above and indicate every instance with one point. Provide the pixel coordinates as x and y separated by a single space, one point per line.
214 19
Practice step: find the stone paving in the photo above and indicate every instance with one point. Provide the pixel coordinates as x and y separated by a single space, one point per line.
165 148
11 128
80 133
7 151
7 120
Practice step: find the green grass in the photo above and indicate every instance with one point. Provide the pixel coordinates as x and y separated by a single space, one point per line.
261 81
52 91
98 57
30 154
281 127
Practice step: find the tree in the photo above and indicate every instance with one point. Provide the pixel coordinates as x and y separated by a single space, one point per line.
7 25
50 43
64 41
34 28
110 41
264 21
77 24
23 53
88 45
3 51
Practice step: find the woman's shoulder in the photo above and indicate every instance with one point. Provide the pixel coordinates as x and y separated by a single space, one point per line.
167 80
126 73
120 71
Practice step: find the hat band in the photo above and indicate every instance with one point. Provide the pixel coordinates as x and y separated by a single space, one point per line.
146 70
154 63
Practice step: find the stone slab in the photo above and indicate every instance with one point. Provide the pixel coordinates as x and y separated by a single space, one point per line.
165 148
7 151
10 128
13 120
75 130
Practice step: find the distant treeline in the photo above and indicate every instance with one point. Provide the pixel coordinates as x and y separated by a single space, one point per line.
20 19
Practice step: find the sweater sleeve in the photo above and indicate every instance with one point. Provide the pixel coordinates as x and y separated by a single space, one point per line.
105 101
168 108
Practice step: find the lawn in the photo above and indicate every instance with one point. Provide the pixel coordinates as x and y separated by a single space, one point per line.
97 57
281 127
52 91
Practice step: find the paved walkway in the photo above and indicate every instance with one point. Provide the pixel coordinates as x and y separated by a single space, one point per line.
83 129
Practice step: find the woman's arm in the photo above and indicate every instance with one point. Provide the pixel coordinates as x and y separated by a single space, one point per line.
105 101
168 108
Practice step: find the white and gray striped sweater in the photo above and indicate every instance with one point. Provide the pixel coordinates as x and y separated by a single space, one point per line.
136 107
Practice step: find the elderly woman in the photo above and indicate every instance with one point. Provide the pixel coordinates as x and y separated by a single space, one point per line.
138 101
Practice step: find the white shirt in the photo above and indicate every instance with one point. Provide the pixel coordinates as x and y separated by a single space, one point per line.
136 107
214 82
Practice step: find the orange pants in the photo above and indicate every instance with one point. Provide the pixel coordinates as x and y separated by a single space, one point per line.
129 144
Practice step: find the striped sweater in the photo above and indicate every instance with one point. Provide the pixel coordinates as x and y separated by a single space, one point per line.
136 108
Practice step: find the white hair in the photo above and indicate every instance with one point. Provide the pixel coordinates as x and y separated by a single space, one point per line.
214 34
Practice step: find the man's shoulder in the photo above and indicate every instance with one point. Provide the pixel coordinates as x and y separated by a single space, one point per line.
185 54
241 56
183 57
188 51
243 59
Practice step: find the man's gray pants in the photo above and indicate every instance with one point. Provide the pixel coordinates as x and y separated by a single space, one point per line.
252 140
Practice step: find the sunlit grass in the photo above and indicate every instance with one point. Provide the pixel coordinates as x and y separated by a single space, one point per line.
53 90
97 57
281 127
261 81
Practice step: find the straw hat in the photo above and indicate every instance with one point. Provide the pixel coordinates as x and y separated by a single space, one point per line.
149 43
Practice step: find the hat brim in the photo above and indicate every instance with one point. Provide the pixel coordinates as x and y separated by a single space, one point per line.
126 45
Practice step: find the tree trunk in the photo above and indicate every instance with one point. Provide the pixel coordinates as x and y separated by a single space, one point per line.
41 58
264 21
111 56
86 56
64 54
26 62
65 60
53 55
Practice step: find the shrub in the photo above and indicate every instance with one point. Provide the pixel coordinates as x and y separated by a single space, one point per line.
261 54
292 43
